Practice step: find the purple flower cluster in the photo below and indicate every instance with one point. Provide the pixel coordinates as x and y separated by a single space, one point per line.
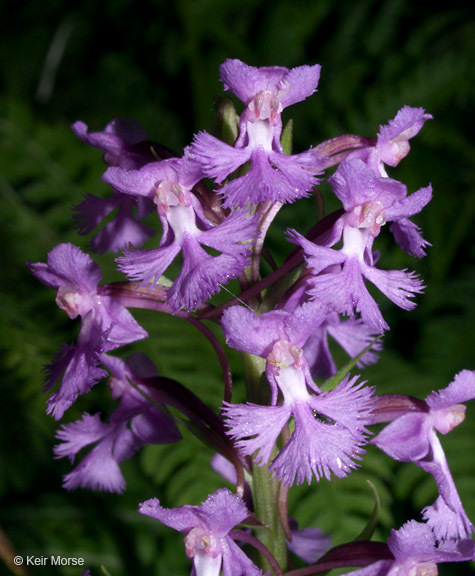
272 175
370 199
134 423
329 426
412 437
186 230
105 324
207 527
123 142
303 418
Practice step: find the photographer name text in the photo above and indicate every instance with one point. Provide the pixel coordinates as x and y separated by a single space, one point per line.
48 561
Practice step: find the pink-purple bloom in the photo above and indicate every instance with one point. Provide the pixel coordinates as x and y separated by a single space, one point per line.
272 175
105 324
135 422
207 529
412 437
122 142
370 201
118 140
339 276
392 144
302 429
417 552
329 426
186 230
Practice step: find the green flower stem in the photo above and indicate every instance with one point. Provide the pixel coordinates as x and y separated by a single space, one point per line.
265 491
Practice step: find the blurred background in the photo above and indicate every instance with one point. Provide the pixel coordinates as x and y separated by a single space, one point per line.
158 62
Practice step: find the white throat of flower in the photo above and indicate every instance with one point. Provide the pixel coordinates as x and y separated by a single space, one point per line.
73 302
287 361
174 203
205 549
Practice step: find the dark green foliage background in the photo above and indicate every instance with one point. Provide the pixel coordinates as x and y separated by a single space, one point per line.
158 62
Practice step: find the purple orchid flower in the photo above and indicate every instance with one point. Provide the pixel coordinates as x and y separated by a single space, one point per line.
370 201
122 142
185 229
272 176
105 324
207 529
338 275
392 144
309 544
117 141
134 423
329 426
416 553
412 437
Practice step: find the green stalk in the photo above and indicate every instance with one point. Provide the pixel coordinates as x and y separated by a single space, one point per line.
265 491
